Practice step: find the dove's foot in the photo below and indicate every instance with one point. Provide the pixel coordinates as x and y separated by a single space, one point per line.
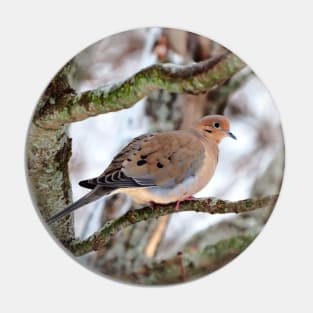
185 199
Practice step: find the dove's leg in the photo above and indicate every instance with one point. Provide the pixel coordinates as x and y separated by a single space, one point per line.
177 205
184 199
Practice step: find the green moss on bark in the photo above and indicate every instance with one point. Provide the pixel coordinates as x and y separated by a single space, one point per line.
193 79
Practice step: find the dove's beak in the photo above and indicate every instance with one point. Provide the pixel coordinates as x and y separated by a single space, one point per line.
231 135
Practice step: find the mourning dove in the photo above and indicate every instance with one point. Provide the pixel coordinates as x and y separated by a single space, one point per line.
160 167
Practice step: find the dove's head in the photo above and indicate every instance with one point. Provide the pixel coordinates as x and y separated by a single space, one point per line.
215 127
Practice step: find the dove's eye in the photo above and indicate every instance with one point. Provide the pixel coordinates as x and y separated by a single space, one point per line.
216 125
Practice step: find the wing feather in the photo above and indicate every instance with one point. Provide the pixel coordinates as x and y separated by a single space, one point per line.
158 159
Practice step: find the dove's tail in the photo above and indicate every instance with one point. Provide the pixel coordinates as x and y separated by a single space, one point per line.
89 197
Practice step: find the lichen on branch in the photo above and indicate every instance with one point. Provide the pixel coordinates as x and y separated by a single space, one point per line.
210 205
186 266
193 78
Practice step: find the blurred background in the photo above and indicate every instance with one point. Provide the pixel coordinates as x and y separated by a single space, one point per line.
252 166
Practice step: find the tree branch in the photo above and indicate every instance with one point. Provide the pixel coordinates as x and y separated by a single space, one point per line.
48 153
186 266
194 79
211 205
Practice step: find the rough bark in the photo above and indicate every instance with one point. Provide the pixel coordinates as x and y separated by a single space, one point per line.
193 79
48 153
186 266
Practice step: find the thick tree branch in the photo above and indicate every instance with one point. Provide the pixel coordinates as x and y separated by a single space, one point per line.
48 153
194 79
211 205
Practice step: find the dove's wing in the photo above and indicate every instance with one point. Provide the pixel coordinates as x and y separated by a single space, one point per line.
159 159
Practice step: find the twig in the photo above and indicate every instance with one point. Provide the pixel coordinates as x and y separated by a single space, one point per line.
181 266
211 205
